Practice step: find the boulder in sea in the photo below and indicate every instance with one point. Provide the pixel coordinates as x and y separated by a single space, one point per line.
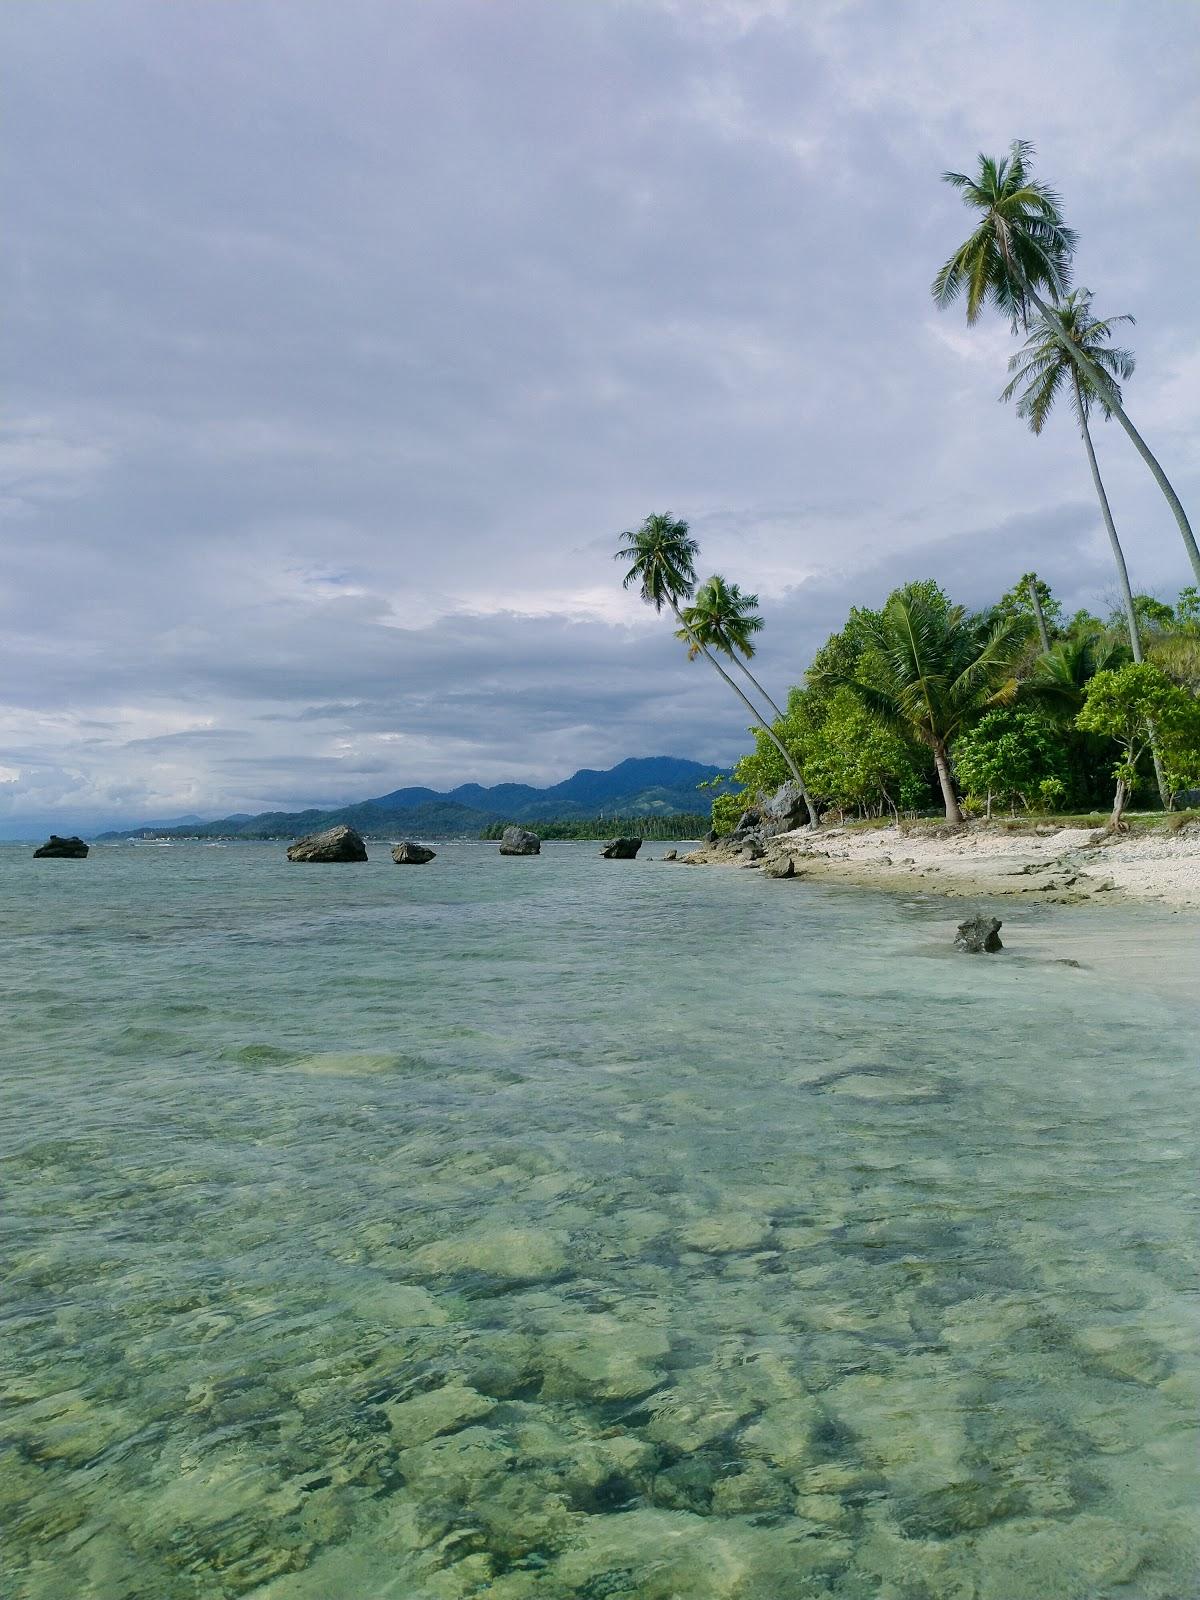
621 849
979 935
519 842
785 810
335 844
72 848
409 854
670 855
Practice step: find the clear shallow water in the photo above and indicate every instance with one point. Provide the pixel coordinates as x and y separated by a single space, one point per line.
563 1227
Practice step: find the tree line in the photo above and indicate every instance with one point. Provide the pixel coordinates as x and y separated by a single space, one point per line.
1005 705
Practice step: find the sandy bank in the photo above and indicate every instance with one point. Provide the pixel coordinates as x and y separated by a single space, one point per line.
1065 866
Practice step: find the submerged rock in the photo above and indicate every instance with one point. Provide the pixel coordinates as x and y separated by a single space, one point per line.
519 842
621 849
335 844
979 935
72 848
408 854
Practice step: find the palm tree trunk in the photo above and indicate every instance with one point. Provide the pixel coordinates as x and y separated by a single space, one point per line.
942 762
778 713
813 819
1135 638
1043 632
1105 386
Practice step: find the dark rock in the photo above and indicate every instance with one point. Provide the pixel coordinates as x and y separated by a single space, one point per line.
519 842
670 855
335 844
785 809
978 935
750 846
72 848
748 821
711 836
408 854
621 849
781 867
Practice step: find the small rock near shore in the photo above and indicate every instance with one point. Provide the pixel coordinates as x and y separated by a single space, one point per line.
519 842
670 855
979 935
621 849
335 844
780 867
72 848
409 854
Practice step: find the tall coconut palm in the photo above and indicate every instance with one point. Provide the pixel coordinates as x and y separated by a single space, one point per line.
1019 256
1042 370
930 669
722 618
661 559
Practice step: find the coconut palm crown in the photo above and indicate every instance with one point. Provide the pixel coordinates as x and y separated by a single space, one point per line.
662 560
930 669
1043 367
722 617
1020 242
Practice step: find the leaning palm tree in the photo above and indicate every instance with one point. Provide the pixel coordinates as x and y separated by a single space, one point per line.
1043 369
722 618
662 562
1020 256
930 669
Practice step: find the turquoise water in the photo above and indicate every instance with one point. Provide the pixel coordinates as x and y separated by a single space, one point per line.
560 1227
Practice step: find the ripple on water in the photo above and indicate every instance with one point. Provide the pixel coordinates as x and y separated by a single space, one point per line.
581 1233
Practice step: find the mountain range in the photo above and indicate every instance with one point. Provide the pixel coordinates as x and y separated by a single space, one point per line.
640 787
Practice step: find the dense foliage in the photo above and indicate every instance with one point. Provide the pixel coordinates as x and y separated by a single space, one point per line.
1023 729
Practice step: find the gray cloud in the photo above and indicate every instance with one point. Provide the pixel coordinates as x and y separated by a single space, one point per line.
341 341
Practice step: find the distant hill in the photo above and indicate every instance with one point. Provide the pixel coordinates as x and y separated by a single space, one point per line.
646 786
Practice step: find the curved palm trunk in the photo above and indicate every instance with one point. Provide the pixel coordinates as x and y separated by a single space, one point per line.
1135 638
942 762
1043 631
778 713
1104 384
813 819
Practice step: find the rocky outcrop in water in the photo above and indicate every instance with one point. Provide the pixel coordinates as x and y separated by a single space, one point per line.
979 936
780 867
670 855
69 849
519 842
335 844
408 854
621 849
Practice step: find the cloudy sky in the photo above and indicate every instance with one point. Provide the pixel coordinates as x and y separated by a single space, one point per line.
341 339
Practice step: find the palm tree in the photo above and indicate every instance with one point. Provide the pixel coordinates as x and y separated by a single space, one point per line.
929 669
722 618
662 562
1042 369
1019 253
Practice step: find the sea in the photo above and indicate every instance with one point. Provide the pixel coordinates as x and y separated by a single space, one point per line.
554 1227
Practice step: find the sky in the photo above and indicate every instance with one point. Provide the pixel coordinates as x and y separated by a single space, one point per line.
341 342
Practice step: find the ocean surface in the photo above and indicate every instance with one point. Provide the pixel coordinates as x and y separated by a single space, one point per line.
560 1227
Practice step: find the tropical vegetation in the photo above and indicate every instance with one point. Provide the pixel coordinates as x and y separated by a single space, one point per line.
924 701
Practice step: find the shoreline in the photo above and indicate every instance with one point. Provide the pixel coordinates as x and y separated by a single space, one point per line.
1047 865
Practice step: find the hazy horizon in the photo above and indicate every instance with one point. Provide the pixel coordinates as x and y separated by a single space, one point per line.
340 347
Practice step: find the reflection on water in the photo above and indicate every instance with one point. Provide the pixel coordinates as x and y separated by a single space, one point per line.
559 1227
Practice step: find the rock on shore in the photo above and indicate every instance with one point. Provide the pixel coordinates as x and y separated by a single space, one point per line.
621 849
519 842
335 844
73 848
409 854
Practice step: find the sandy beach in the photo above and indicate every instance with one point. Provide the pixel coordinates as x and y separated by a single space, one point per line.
1064 866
